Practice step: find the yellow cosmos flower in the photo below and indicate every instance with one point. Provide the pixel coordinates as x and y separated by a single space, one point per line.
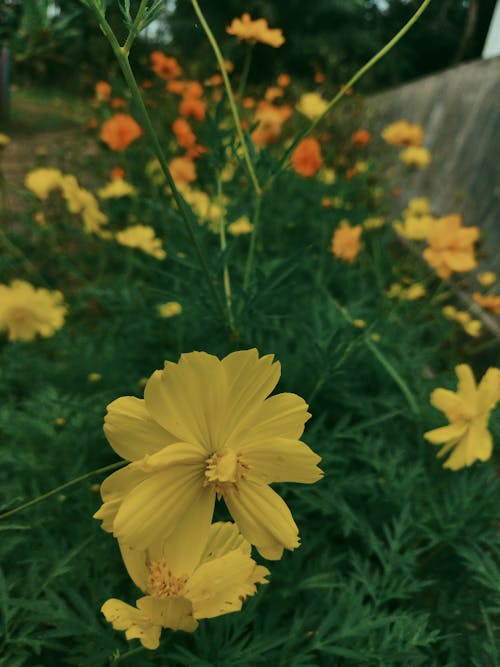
487 278
415 227
374 222
83 202
346 242
312 105
183 585
169 309
240 227
207 428
255 31
43 181
451 246
26 311
411 293
471 327
416 156
4 140
403 133
468 410
117 188
417 206
142 237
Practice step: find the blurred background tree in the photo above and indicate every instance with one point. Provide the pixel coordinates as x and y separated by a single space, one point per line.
57 41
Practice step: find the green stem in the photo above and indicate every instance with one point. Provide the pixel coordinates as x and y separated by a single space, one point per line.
136 27
4 239
124 64
230 95
245 70
223 246
52 492
361 72
253 240
119 658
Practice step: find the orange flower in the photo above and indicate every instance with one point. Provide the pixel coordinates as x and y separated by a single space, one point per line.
403 133
92 124
346 241
319 77
284 80
175 86
255 31
163 66
215 80
489 302
192 106
306 158
120 131
146 84
273 92
361 138
102 91
183 170
183 133
451 246
193 89
271 119
118 103
248 103
116 173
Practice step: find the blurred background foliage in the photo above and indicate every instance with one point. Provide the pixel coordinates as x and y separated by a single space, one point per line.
49 38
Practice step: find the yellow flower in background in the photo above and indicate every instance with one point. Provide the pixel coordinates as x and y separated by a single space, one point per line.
416 156
240 227
471 327
416 228
346 241
411 293
4 140
451 246
94 377
468 410
487 278
26 311
117 188
183 585
143 238
359 324
374 222
43 181
255 31
327 176
403 133
207 428
170 309
417 206
83 202
155 173
311 105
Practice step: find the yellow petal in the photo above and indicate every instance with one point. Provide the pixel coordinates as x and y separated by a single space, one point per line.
137 623
448 402
263 518
224 537
249 381
174 613
189 398
475 445
113 490
151 511
467 387
220 586
281 460
489 390
439 435
131 431
280 416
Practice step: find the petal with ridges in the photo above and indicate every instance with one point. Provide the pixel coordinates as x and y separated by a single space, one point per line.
131 430
466 386
440 435
489 390
281 460
448 402
136 623
224 537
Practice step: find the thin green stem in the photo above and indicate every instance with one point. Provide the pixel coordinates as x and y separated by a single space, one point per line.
52 492
223 246
124 64
361 72
136 27
245 70
253 240
120 658
230 95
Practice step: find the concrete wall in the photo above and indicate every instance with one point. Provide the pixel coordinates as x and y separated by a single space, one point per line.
459 109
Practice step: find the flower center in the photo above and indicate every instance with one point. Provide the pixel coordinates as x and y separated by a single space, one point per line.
162 583
19 314
223 468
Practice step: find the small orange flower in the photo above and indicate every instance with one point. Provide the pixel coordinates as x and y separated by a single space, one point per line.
248 103
183 170
147 84
306 158
120 131
164 66
255 31
346 242
361 138
489 302
193 89
271 119
319 77
273 93
215 80
118 103
175 86
451 246
92 124
193 107
183 133
116 173
102 91
284 80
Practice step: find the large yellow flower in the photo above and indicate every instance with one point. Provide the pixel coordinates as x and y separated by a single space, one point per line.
468 410
26 311
183 585
207 428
